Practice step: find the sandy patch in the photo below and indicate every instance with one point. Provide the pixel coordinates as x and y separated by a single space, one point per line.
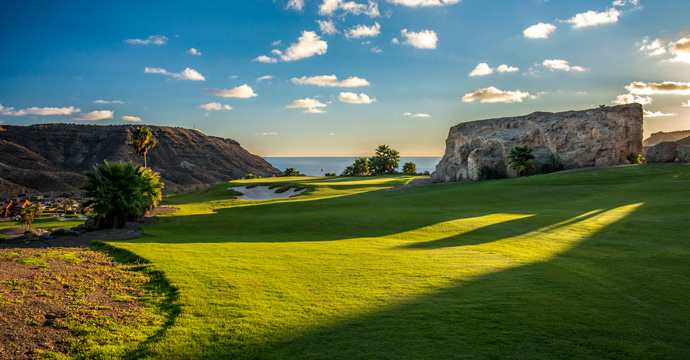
264 193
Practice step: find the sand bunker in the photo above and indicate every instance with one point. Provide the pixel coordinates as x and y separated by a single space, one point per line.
264 193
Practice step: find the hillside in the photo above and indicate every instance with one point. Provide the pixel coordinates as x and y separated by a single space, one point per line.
52 157
659 137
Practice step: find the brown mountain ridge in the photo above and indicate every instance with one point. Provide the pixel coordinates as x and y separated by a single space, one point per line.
52 157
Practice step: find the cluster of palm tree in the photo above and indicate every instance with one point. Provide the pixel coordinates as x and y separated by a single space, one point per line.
385 161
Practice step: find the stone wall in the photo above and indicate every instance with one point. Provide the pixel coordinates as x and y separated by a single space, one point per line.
594 137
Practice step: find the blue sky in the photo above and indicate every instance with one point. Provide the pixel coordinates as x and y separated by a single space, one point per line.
338 77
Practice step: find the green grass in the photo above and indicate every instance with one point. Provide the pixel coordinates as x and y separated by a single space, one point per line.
46 223
581 265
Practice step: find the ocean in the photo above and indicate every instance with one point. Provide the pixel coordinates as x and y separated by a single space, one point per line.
318 166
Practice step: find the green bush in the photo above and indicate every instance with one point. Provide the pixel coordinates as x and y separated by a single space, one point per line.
520 159
249 176
330 174
552 163
409 168
290 172
635 158
349 171
487 172
682 155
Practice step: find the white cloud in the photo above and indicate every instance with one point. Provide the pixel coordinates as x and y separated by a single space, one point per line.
650 114
266 59
108 102
39 111
243 92
295 5
94 115
277 43
330 7
276 52
376 50
421 3
193 51
131 118
482 69
313 111
681 50
425 39
593 18
654 48
153 39
331 81
306 103
186 74
631 99
625 2
561 65
361 31
327 27
308 45
265 78
667 87
494 95
215 106
685 104
539 31
503 68
417 115
395 41
352 98
268 134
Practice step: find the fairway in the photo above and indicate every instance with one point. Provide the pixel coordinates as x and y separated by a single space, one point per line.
591 264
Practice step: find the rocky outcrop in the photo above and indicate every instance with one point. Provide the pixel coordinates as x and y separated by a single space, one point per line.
52 157
595 137
668 151
659 137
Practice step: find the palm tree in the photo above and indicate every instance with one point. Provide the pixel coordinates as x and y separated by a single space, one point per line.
122 192
387 159
361 166
409 168
142 141
520 159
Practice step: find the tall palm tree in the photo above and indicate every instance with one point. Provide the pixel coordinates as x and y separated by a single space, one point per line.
142 141
389 159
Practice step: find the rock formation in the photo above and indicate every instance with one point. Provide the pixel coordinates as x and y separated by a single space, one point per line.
52 157
601 136
667 151
659 137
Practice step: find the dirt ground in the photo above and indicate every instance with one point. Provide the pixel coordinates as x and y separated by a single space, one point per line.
131 231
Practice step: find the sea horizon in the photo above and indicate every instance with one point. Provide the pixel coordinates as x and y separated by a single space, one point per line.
320 165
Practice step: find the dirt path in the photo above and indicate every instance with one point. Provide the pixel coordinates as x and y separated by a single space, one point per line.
131 231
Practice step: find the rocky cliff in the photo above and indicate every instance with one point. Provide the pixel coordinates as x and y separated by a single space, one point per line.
659 137
52 157
601 136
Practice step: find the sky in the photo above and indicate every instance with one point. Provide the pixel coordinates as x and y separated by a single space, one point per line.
339 77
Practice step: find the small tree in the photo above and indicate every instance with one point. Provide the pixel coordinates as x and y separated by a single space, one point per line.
409 168
520 159
387 159
142 141
349 171
26 215
290 172
361 166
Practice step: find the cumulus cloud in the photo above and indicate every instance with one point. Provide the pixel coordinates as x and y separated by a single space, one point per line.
94 115
594 18
243 92
313 111
667 87
265 78
108 102
186 74
423 3
330 7
631 99
417 115
539 31
651 114
655 47
361 31
215 106
151 40
503 68
306 103
376 50
327 27
680 50
308 45
331 81
131 118
193 51
625 2
561 65
39 111
494 95
352 98
425 39
295 5
395 41
685 104
482 69
266 59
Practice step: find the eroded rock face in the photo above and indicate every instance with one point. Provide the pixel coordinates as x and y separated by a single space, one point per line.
661 152
594 137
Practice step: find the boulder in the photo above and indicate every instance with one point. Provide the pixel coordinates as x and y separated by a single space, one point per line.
662 152
594 137
58 232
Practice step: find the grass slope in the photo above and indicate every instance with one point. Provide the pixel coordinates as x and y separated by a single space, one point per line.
580 265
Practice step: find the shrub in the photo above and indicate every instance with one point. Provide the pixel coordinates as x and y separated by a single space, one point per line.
330 174
552 163
361 166
634 158
349 171
682 156
249 176
290 172
487 172
520 159
409 168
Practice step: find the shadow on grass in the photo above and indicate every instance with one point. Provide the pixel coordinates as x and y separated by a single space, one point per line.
166 306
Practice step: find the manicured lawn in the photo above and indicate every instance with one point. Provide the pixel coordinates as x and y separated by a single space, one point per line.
46 223
582 265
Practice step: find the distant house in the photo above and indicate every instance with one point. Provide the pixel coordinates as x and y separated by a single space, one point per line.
21 204
6 208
